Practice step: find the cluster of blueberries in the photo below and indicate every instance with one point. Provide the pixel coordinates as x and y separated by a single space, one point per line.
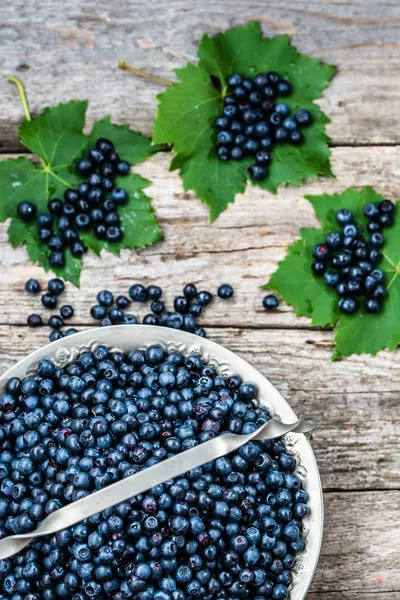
93 205
55 288
229 529
109 311
252 122
187 308
354 259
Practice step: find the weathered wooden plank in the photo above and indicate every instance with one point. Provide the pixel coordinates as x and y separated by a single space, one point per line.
360 547
355 401
241 247
73 53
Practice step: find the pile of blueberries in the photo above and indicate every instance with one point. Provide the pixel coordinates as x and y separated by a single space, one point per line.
109 311
229 529
93 205
353 259
252 121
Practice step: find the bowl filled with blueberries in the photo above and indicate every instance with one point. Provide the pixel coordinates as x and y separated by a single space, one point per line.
96 407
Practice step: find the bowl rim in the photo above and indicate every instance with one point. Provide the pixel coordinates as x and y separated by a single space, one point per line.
124 337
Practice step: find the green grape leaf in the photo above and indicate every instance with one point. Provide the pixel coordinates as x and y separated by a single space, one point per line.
57 140
310 297
188 108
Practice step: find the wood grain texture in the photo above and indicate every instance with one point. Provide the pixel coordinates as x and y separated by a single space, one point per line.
359 554
66 50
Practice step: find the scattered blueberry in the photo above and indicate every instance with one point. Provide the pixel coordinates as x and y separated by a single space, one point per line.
34 320
32 286
66 311
225 291
270 302
26 210
55 286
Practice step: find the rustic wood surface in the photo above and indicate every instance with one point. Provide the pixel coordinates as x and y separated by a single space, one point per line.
63 50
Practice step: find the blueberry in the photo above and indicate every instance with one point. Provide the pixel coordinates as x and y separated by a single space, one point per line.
32 286
344 216
303 117
119 195
70 331
204 298
222 122
78 248
49 301
138 292
386 206
34 320
371 210
296 137
372 305
318 267
376 240
385 220
26 211
55 286
348 306
66 311
56 243
257 172
55 206
270 302
331 278
350 230
116 315
320 252
55 322
105 298
154 292
225 291
56 260
180 304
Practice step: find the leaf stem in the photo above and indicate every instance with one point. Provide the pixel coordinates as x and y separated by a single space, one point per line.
122 65
22 94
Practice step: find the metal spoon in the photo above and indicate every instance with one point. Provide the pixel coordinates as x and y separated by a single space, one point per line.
147 478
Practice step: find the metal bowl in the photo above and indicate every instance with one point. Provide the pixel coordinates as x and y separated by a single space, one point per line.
129 337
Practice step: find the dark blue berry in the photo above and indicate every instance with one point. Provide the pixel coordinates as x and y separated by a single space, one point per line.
26 210
138 292
55 322
371 211
348 306
257 172
32 286
373 306
49 300
344 216
318 267
303 117
331 278
66 311
376 240
55 286
270 302
34 320
225 291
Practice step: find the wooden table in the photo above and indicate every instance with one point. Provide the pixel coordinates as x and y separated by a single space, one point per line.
66 50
